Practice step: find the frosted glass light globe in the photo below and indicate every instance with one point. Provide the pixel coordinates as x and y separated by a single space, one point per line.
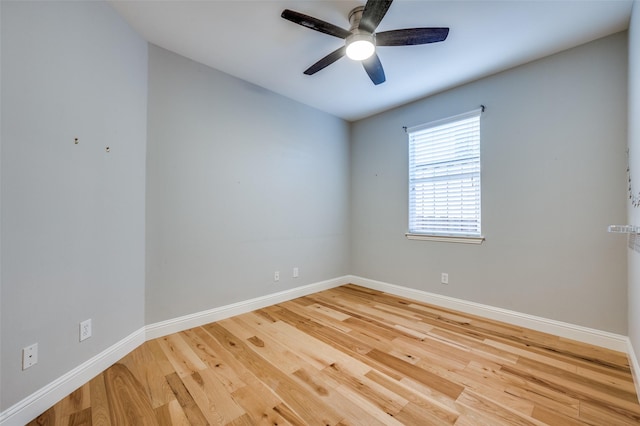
360 47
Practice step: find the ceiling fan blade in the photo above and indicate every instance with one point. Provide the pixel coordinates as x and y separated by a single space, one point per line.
411 36
315 23
373 13
326 61
373 67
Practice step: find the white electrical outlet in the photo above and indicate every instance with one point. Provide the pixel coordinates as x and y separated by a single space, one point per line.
29 356
85 329
444 278
276 276
296 272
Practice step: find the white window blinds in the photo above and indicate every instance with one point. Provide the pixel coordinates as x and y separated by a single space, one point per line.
444 176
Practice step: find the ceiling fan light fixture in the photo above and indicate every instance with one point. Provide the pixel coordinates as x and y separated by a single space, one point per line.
360 46
361 38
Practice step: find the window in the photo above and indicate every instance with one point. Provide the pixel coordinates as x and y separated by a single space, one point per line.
444 179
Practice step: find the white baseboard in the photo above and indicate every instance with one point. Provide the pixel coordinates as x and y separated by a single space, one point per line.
35 404
41 400
635 367
592 336
197 319
25 410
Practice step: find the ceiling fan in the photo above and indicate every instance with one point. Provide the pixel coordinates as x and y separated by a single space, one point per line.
361 39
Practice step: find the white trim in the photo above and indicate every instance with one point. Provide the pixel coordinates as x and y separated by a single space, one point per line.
186 322
445 238
635 367
44 398
41 400
591 336
35 404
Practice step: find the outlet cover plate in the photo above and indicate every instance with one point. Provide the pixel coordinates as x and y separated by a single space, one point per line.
29 356
85 329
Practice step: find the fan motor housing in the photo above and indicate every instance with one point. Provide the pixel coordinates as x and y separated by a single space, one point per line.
358 35
354 17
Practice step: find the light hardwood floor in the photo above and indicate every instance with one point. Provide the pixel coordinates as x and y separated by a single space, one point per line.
354 356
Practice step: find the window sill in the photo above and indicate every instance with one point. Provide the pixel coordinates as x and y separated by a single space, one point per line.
446 238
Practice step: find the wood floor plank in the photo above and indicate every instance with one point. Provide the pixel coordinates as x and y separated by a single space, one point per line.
359 409
362 413
304 373
78 400
305 404
181 356
272 352
231 373
435 408
434 351
244 420
580 385
142 364
435 382
262 405
500 413
479 379
184 398
312 350
80 418
375 334
127 398
216 404
601 414
552 417
171 414
159 357
365 389
533 394
413 414
475 345
287 413
318 313
48 418
356 356
100 410
331 313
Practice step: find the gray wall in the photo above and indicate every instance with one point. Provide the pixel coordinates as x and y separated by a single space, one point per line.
72 215
634 164
553 178
241 182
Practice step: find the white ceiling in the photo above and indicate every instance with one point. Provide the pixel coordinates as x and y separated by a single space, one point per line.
249 40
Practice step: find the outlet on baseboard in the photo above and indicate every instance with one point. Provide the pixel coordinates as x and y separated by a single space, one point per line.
276 276
444 278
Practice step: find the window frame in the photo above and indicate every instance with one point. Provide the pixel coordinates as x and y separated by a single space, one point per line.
434 235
